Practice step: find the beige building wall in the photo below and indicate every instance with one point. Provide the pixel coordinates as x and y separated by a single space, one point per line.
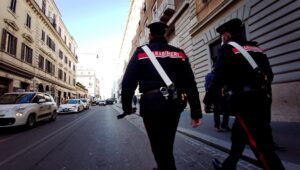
46 28
273 24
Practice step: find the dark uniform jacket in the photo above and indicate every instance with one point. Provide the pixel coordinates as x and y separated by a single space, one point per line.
141 72
233 71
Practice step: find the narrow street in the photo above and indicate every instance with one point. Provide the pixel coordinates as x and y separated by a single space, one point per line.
95 139
92 139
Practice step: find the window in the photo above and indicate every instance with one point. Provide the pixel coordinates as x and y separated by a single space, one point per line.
9 43
41 62
53 69
60 74
65 39
44 6
65 77
61 54
70 46
74 81
59 31
69 79
145 6
38 97
66 60
74 67
70 64
28 21
50 43
13 5
43 35
26 53
213 47
48 67
154 12
48 98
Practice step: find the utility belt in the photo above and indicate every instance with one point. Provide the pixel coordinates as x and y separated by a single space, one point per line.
244 89
163 99
169 93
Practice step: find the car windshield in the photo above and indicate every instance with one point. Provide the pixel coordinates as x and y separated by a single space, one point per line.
72 101
83 100
16 98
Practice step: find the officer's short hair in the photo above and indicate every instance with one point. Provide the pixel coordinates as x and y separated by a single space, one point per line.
233 26
158 28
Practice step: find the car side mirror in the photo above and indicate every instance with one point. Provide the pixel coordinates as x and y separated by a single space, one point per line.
42 101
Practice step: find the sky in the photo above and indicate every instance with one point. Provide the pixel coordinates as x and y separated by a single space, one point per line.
97 26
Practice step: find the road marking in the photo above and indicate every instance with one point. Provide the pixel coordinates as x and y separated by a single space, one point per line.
51 135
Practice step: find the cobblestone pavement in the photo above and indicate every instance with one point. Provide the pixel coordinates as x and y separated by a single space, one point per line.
191 154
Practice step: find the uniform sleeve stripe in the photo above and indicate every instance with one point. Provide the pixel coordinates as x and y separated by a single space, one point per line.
248 48
163 54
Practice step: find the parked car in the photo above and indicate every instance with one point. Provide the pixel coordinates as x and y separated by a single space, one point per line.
94 102
101 102
86 103
71 106
26 108
109 101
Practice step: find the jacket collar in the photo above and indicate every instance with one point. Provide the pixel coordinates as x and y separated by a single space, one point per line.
158 39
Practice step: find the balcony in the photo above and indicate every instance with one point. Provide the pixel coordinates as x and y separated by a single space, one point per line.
166 10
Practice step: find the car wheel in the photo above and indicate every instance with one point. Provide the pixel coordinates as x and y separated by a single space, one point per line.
30 121
54 116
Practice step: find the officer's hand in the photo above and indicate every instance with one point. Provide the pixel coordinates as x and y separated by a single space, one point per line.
208 108
196 122
133 110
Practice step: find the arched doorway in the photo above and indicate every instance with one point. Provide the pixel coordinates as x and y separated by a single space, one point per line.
41 87
47 89
4 85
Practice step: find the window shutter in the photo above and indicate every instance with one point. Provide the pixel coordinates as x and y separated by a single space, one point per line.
3 41
30 56
15 45
22 51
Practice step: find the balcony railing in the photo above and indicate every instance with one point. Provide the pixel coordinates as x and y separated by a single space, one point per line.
166 10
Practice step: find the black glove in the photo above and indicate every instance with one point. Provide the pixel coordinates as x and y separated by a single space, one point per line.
209 108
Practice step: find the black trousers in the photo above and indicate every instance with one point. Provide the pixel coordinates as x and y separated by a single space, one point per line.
220 109
161 129
252 126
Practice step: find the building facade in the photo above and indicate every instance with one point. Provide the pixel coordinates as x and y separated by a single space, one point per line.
37 52
274 25
132 24
88 78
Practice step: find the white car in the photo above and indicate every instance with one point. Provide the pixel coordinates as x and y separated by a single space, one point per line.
71 106
86 103
26 108
101 102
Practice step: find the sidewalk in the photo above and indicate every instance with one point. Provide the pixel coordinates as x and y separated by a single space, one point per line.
285 134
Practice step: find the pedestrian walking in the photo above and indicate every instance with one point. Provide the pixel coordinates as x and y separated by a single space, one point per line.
166 81
134 102
218 107
244 70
